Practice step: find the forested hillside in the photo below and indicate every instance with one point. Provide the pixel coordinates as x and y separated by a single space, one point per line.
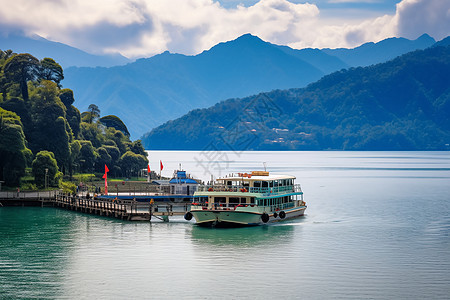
42 133
403 104
151 91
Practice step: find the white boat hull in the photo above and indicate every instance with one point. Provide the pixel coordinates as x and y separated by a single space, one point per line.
234 218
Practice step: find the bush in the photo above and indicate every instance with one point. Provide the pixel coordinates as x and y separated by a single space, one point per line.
45 160
68 187
28 187
86 177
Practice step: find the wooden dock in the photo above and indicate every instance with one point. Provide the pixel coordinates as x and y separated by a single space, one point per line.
130 210
122 209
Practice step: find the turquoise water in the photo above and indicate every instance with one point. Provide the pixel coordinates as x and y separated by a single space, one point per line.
377 227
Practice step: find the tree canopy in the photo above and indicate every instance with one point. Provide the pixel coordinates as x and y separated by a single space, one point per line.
115 122
21 68
45 165
13 150
36 112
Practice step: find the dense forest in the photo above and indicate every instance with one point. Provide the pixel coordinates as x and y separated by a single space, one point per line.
403 104
41 132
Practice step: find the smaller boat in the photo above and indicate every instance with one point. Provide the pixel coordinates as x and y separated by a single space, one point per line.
247 199
180 189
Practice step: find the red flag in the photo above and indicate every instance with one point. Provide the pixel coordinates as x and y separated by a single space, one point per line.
161 165
106 169
148 169
104 176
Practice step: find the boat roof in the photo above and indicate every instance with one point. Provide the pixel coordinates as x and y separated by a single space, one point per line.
183 180
180 176
255 176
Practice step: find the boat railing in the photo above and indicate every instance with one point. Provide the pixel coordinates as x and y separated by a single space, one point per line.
296 188
234 206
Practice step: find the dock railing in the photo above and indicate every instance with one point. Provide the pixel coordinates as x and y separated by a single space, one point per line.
234 206
29 195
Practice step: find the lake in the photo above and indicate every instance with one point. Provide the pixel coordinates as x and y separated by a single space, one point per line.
377 226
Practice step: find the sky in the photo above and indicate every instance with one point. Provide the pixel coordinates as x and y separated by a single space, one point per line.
143 28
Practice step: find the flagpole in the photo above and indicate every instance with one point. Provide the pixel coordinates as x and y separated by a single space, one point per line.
106 179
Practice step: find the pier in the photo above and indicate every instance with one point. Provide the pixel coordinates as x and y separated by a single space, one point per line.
124 209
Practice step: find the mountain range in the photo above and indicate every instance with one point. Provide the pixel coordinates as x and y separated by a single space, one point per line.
148 92
402 104
65 55
151 91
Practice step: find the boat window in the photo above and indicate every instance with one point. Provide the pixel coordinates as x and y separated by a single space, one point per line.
220 200
234 200
257 183
265 184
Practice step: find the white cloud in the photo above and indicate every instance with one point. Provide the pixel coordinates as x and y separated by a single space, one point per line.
415 17
139 28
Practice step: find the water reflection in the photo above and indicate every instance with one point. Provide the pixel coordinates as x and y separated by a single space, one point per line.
245 237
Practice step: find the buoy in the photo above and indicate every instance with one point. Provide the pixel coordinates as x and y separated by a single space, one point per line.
282 214
265 217
188 216
275 214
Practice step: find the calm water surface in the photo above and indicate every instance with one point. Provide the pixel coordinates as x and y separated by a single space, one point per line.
377 227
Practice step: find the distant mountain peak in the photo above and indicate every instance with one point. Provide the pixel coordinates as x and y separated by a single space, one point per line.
425 36
242 41
248 37
444 42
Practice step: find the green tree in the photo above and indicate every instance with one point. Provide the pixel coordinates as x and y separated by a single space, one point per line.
61 143
91 115
87 157
115 122
50 129
131 163
13 152
72 113
103 159
120 140
22 109
114 152
4 84
45 165
51 70
136 147
22 68
91 132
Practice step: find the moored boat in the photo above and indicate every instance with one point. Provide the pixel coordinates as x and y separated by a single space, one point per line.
247 199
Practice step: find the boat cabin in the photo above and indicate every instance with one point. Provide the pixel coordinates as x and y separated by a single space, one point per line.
182 184
250 189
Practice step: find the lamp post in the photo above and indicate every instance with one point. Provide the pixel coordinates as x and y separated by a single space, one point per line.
46 178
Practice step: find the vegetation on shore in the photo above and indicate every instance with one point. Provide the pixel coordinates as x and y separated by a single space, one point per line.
403 104
43 135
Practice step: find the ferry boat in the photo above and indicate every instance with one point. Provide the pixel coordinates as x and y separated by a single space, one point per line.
247 199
